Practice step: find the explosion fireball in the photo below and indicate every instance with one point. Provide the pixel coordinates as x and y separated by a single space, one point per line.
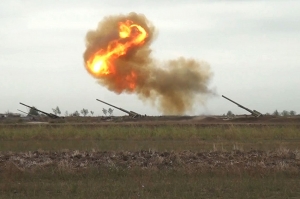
118 54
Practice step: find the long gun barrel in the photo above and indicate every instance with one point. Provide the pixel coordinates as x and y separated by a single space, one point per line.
48 114
130 113
25 112
254 112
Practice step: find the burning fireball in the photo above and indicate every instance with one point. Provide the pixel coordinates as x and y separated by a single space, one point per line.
118 54
130 35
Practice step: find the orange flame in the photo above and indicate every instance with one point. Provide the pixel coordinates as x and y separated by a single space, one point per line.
100 64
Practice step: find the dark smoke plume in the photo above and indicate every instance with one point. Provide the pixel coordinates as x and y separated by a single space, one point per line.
173 86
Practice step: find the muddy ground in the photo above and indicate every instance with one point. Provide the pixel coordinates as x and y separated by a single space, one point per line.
279 160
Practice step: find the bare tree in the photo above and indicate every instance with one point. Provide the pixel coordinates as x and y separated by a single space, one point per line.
285 113
104 111
292 113
276 113
56 110
110 111
75 114
84 112
229 113
92 112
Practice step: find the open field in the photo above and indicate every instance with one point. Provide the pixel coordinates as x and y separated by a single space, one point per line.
134 138
157 159
138 183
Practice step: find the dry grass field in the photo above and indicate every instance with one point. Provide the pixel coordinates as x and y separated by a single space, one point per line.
186 158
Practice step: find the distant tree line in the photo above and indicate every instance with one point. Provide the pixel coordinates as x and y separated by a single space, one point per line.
84 112
275 113
57 111
284 113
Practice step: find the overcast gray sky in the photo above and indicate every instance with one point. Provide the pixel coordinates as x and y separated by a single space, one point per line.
253 48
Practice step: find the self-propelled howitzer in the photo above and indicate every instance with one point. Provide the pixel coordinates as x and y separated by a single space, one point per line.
254 112
130 113
48 114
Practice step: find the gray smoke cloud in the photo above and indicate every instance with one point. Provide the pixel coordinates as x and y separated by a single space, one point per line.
173 86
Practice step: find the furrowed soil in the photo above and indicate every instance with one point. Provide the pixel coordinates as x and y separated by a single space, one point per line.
178 158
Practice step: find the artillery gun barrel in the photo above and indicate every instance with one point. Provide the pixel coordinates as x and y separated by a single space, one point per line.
232 101
25 112
128 112
238 104
255 113
48 114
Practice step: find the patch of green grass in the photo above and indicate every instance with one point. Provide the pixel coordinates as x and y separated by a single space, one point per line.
139 183
167 132
148 137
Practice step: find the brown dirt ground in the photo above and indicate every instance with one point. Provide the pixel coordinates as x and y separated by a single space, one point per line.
280 160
